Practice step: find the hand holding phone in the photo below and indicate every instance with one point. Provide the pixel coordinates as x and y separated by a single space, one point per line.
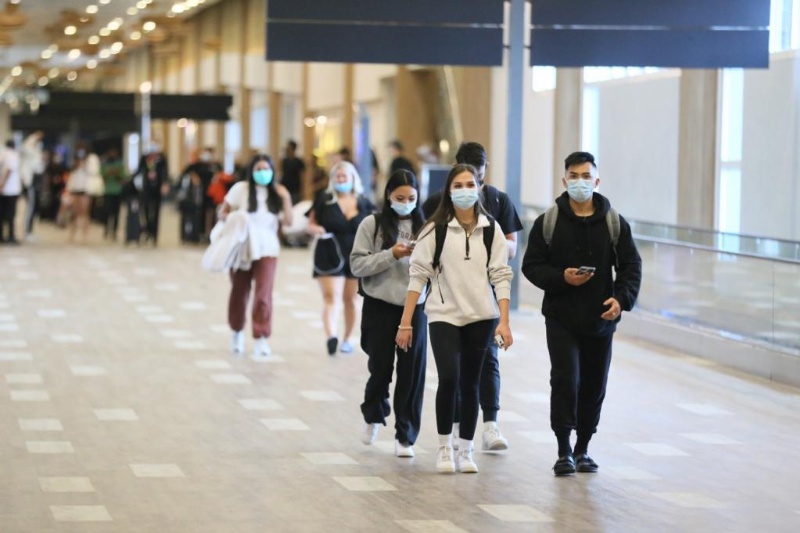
499 340
583 270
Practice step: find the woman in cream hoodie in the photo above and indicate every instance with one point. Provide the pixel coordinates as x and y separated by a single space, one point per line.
463 310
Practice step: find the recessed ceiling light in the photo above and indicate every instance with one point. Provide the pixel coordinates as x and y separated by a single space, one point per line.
52 73
149 26
113 25
135 36
94 39
47 54
104 2
104 32
43 81
72 76
178 8
91 64
141 4
91 9
74 53
16 71
104 53
70 30
132 11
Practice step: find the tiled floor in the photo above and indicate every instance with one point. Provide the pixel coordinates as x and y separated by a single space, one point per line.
120 405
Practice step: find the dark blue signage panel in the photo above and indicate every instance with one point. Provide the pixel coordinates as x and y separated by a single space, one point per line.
376 43
672 13
655 48
415 11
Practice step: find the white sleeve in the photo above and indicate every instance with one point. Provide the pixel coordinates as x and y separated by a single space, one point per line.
500 274
235 196
421 266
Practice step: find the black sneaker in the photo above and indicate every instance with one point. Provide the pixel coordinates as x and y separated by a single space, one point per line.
585 463
565 466
333 343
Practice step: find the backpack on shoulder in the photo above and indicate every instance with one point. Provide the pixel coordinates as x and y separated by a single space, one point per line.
612 222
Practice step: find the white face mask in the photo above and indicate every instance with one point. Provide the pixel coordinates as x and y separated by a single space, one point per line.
580 190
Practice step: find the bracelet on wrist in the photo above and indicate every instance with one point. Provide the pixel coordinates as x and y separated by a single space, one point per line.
405 327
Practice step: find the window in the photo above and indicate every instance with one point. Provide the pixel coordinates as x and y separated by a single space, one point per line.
730 150
597 74
544 79
784 25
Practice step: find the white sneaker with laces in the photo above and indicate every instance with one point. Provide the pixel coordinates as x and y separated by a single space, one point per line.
262 348
444 460
237 342
370 433
403 450
465 462
493 440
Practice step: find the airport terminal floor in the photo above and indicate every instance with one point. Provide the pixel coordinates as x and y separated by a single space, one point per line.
122 410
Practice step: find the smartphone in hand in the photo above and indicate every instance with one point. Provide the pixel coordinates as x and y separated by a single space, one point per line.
584 270
499 340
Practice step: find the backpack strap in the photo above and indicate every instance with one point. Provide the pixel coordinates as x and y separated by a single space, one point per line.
440 231
612 221
550 218
488 239
377 217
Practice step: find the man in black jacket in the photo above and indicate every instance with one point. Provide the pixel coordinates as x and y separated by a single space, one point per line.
581 306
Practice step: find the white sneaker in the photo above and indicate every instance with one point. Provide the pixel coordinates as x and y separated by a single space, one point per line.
370 433
444 460
237 342
493 440
456 435
262 348
465 462
401 450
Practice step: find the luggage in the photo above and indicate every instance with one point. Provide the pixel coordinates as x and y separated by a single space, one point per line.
133 224
191 224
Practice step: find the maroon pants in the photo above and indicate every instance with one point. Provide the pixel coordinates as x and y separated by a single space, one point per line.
263 272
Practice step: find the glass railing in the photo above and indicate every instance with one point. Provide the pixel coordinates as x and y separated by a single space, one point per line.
743 287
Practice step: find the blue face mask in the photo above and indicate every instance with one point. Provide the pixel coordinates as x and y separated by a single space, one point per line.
404 210
580 190
464 198
263 176
345 187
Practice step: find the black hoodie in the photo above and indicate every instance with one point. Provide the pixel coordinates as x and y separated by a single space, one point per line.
583 241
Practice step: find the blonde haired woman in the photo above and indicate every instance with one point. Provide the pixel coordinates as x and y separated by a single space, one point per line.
333 219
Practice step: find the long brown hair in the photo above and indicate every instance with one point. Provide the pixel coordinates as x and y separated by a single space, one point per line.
446 211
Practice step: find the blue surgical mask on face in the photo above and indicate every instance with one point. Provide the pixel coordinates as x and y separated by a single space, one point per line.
345 187
263 176
464 198
580 190
402 209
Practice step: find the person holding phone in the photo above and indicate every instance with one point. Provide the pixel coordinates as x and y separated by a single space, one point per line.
380 257
583 301
470 285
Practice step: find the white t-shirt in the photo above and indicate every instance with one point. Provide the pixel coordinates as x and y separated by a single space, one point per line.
10 161
262 229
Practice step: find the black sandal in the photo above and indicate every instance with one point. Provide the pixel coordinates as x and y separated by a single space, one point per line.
585 463
565 466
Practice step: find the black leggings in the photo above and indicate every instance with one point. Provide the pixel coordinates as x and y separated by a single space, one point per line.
459 354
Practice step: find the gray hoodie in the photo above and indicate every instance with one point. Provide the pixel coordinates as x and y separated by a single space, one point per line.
382 276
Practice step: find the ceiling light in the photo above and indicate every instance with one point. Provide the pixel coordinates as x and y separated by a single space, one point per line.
47 54
52 73
104 32
113 25
149 26
70 30
91 9
116 48
171 15
178 8
135 36
72 76
145 87
91 64
74 54
141 4
94 39
104 2
43 81
104 53
132 11
182 122
16 71
85 19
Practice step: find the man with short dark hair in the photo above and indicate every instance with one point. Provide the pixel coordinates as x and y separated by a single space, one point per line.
292 169
572 253
399 161
502 209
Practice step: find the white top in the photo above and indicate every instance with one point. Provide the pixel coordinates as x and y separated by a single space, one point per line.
31 161
461 293
78 180
10 161
262 231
